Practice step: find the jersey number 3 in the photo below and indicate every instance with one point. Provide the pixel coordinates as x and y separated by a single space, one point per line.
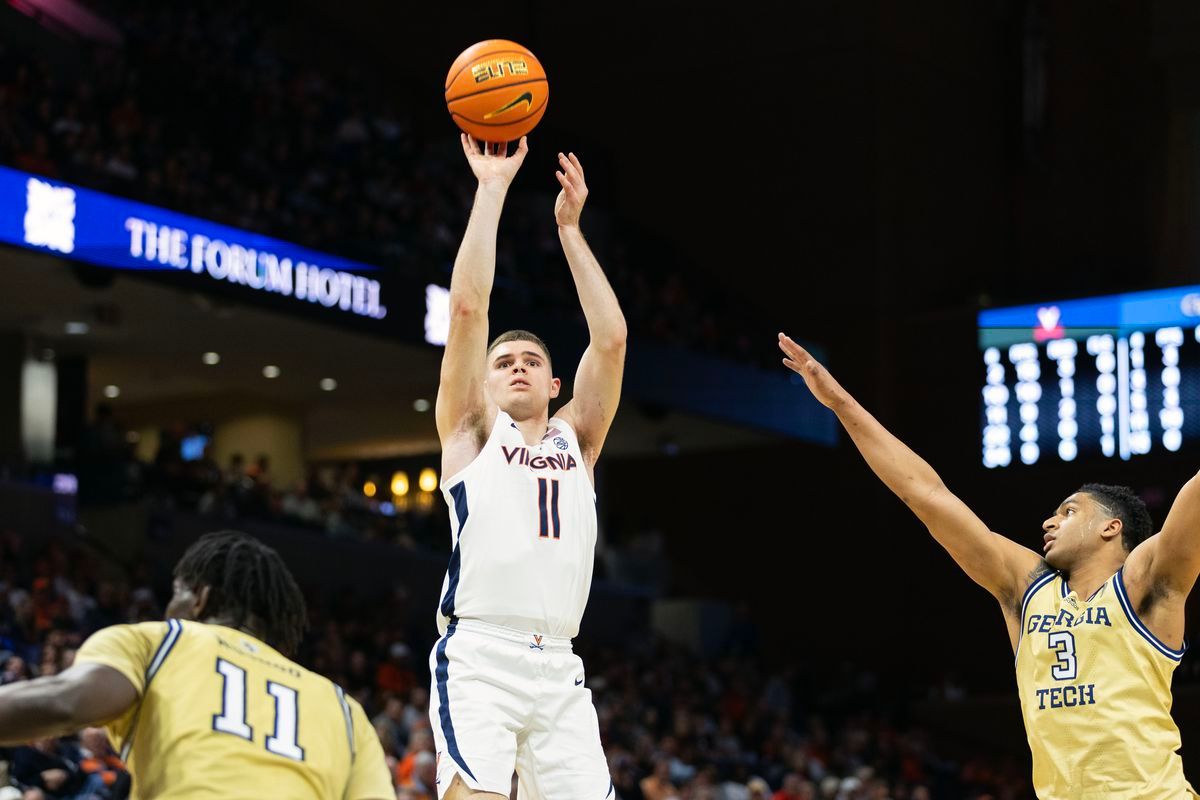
1063 644
232 719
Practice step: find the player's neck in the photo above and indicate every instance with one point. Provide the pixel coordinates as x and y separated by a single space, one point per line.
1089 576
228 623
534 428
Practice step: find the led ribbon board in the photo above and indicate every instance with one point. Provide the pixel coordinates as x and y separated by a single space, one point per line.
1113 377
54 217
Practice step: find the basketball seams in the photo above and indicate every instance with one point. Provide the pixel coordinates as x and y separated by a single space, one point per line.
496 89
476 59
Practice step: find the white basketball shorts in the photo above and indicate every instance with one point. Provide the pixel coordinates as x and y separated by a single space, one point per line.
502 700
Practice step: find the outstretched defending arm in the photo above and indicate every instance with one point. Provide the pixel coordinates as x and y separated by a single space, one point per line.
86 694
598 380
995 562
1173 556
460 400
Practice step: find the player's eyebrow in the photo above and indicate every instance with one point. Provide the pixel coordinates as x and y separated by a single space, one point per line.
503 356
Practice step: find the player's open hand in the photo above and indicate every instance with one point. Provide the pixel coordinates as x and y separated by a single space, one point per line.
569 204
491 163
827 390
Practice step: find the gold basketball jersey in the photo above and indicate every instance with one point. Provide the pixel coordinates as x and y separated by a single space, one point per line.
223 715
1095 689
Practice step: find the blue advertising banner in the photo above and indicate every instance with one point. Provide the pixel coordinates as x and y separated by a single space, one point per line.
46 215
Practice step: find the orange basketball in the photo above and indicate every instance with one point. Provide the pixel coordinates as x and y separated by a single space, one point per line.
496 91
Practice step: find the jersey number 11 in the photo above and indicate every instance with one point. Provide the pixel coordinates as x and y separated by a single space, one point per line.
548 508
232 719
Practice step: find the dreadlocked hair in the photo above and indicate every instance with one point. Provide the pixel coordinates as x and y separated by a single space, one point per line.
1125 505
248 583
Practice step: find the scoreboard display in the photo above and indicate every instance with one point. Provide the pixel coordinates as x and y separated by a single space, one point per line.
1101 377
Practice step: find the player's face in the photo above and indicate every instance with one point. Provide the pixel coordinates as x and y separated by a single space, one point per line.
519 379
1073 530
186 603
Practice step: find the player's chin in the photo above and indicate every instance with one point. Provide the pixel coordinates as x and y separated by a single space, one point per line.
1054 559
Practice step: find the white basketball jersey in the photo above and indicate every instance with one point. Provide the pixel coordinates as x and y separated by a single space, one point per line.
523 528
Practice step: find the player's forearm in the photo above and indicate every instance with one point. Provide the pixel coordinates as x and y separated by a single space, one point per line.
904 472
34 709
475 265
605 321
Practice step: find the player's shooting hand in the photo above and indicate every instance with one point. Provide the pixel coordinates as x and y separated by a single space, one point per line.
827 390
491 163
569 204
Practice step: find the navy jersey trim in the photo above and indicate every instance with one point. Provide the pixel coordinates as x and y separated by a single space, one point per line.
341 697
174 630
443 679
1030 591
454 570
1138 625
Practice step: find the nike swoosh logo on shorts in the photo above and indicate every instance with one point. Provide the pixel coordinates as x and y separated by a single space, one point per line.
579 682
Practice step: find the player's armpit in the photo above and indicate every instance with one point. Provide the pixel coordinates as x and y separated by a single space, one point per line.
460 398
992 560
596 395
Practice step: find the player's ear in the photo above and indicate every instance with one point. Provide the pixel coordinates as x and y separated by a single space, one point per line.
1112 529
201 602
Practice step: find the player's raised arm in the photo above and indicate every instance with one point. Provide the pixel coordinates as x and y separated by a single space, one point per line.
1172 557
995 562
598 379
85 695
460 399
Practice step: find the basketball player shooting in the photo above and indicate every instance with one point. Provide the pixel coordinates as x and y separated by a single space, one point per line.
1096 621
507 689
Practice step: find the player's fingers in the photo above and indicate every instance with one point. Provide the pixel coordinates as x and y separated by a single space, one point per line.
789 346
569 168
468 144
566 184
792 365
575 161
523 146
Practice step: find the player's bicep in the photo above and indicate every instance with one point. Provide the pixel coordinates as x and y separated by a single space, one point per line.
995 562
596 395
460 388
96 693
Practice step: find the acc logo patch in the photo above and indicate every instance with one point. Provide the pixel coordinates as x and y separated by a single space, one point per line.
560 443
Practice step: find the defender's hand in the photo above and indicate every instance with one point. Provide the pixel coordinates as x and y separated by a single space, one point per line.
495 168
569 204
827 390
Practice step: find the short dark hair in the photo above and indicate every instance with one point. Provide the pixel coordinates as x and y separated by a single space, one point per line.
1124 504
519 336
247 582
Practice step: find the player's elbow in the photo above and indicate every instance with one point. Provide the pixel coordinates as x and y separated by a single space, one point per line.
613 341
926 499
463 307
